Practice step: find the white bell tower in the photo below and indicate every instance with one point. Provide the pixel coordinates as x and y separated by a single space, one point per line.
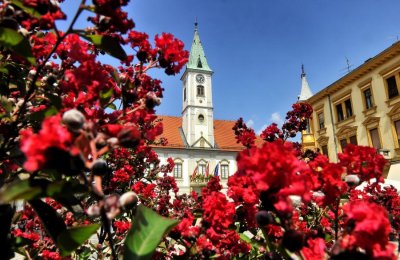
197 112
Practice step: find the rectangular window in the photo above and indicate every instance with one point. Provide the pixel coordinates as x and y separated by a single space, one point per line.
349 110
178 171
376 142
224 171
392 87
321 120
202 169
184 94
324 149
353 140
368 98
200 91
339 111
397 126
343 143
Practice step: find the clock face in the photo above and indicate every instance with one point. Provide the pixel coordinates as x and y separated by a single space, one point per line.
200 78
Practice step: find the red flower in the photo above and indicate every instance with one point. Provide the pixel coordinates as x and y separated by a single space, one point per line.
315 249
172 55
363 161
122 226
368 227
52 135
243 134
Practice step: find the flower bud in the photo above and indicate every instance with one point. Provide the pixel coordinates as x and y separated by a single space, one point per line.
152 100
352 180
113 141
128 200
293 240
129 137
264 218
93 210
100 167
74 120
112 206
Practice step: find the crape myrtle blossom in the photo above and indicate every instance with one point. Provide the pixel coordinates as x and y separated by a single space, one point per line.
76 145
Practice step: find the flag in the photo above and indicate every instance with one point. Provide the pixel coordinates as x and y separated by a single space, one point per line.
216 170
207 169
194 173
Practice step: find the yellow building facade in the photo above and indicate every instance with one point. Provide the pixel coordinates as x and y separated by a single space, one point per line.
362 107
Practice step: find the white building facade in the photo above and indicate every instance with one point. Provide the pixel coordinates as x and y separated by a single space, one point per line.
199 145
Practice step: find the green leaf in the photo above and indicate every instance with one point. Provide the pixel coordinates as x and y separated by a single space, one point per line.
112 106
27 9
15 41
146 233
55 100
53 223
108 44
42 114
70 239
106 95
22 190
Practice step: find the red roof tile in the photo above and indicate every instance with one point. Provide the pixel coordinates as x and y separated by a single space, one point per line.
224 135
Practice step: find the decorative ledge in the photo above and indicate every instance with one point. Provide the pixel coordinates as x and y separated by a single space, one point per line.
346 121
393 101
322 131
370 111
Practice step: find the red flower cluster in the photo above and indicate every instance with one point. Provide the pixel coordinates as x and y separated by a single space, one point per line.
36 147
172 55
243 134
367 227
274 170
362 161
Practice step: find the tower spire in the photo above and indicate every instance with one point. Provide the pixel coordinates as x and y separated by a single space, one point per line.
305 88
197 58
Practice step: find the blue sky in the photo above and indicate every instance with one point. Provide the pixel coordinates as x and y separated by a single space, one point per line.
256 47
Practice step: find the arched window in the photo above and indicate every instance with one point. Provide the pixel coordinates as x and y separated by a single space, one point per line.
200 91
178 168
224 169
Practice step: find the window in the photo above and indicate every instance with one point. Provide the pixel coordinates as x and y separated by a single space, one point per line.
392 87
321 120
349 111
324 150
350 140
344 110
184 94
224 171
201 118
353 140
375 140
347 135
339 111
200 91
368 99
178 171
201 169
343 144
397 128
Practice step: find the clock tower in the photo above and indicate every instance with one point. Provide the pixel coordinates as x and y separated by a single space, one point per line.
197 111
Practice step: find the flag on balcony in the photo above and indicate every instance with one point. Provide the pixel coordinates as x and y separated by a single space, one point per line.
207 169
216 170
194 173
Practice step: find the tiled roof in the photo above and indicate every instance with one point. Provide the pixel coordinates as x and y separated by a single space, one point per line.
171 125
224 135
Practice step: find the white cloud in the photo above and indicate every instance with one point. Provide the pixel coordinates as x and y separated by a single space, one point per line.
259 131
250 123
276 118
